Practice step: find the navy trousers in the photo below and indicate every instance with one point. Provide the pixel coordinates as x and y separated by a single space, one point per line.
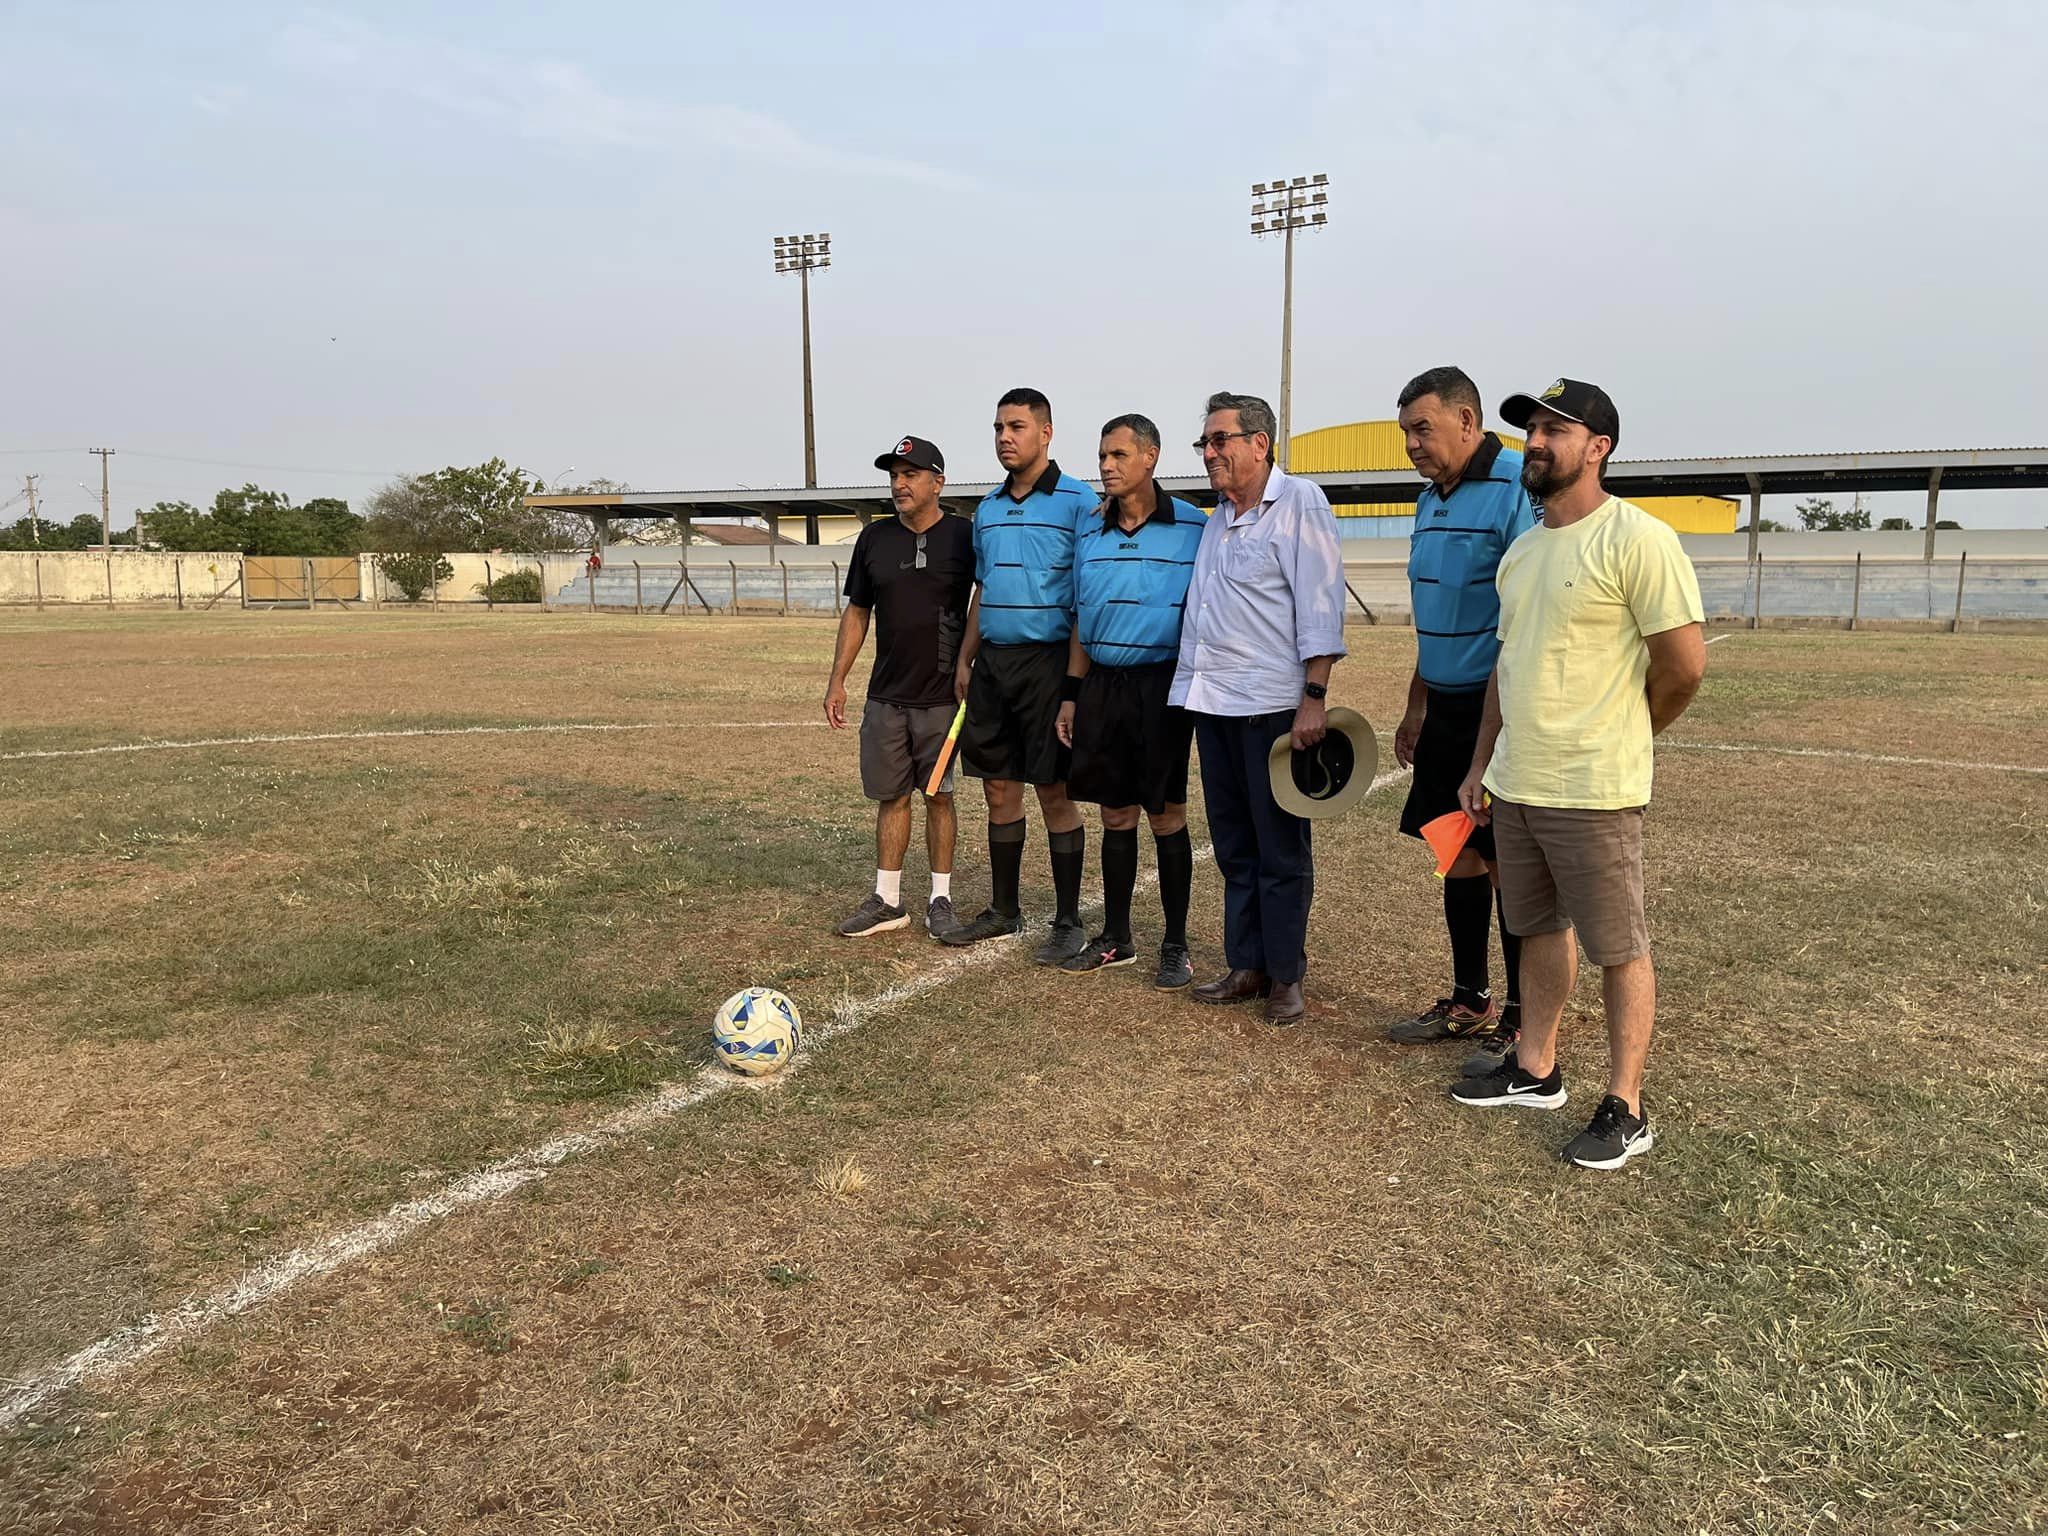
1269 875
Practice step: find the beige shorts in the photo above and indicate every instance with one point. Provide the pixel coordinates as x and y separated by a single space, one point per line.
1578 869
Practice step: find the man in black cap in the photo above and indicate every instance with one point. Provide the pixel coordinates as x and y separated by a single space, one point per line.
914 573
1600 650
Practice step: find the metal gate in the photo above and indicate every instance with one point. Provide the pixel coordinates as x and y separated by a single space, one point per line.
292 579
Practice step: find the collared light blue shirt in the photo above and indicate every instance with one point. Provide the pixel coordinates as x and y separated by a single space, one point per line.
1024 558
1130 588
1452 556
1267 594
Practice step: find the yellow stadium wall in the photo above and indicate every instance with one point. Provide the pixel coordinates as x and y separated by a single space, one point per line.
1379 445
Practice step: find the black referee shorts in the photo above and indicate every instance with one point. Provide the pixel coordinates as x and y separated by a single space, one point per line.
1013 707
1443 756
1130 746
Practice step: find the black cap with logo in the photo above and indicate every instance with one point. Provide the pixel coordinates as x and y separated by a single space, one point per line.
916 452
1574 400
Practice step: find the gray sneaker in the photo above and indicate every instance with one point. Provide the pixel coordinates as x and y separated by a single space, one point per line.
1067 941
939 918
1176 968
872 916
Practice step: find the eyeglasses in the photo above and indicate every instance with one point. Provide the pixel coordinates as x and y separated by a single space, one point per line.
920 551
1216 440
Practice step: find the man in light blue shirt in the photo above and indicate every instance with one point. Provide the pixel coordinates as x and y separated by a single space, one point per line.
1264 624
1473 508
1131 573
1013 667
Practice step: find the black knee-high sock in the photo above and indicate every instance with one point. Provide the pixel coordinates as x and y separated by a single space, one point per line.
1511 953
1068 850
1176 852
1119 879
1468 913
1005 864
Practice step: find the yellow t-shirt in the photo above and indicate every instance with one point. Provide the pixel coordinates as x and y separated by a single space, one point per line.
1575 604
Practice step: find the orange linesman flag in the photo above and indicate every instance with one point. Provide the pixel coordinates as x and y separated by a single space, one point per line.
946 752
1446 838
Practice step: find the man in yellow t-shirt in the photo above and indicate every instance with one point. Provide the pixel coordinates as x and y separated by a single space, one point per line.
1601 649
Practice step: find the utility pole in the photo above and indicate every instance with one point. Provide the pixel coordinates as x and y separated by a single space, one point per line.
803 255
35 526
106 535
1280 207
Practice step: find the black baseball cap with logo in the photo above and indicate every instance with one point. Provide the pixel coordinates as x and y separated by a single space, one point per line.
914 451
1574 400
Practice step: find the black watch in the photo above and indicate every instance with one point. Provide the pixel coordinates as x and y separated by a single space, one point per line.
1315 691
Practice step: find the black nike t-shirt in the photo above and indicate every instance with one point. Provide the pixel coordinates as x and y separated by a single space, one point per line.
920 611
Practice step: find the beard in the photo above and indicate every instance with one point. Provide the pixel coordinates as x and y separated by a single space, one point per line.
1546 477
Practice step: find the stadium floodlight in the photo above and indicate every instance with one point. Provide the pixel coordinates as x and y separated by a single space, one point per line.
803 255
1280 207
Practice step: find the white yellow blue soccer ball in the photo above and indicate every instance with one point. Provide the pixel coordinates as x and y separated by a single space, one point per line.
756 1031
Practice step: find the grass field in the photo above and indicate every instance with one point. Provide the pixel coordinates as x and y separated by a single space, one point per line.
1022 1252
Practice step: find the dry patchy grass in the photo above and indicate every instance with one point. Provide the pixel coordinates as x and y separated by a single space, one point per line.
1034 1253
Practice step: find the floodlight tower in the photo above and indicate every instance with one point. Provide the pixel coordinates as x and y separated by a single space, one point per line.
1280 207
803 255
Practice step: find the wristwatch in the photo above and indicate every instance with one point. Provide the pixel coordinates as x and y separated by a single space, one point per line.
1315 691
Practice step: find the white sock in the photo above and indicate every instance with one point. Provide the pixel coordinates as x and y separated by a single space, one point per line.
889 886
942 886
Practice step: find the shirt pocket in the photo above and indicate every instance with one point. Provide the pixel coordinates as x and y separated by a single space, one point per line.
1250 561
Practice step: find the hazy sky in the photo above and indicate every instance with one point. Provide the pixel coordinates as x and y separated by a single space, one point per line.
380 238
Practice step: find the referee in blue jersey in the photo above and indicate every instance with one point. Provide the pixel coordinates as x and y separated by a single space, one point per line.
1473 508
1130 745
1013 666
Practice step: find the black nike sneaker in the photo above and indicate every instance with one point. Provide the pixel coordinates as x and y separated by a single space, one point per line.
1613 1137
1508 1085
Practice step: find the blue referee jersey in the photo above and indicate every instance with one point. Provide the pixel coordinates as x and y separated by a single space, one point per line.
1130 588
1452 557
1024 558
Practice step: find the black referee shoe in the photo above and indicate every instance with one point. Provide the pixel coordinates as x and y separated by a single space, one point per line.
1068 940
988 923
1102 954
1176 968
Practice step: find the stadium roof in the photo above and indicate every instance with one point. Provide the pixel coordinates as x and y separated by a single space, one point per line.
1798 474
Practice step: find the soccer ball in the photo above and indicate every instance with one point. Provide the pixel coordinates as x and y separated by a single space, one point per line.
756 1031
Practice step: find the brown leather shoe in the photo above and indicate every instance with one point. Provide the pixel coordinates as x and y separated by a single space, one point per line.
1234 987
1285 1006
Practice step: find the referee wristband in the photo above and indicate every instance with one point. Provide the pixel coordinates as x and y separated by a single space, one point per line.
1070 689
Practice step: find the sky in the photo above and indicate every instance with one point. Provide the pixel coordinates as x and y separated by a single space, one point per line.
317 247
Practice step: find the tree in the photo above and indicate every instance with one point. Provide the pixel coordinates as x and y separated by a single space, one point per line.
1896 525
180 525
1817 516
1770 525
256 522
479 507
413 573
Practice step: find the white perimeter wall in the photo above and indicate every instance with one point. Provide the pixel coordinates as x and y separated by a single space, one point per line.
74 576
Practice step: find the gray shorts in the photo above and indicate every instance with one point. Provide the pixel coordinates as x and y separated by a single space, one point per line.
1563 869
899 747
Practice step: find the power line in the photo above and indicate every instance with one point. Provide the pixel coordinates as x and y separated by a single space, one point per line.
179 458
286 469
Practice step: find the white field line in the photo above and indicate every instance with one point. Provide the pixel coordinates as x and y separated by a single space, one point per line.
128 1347
1727 634
1846 755
448 730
